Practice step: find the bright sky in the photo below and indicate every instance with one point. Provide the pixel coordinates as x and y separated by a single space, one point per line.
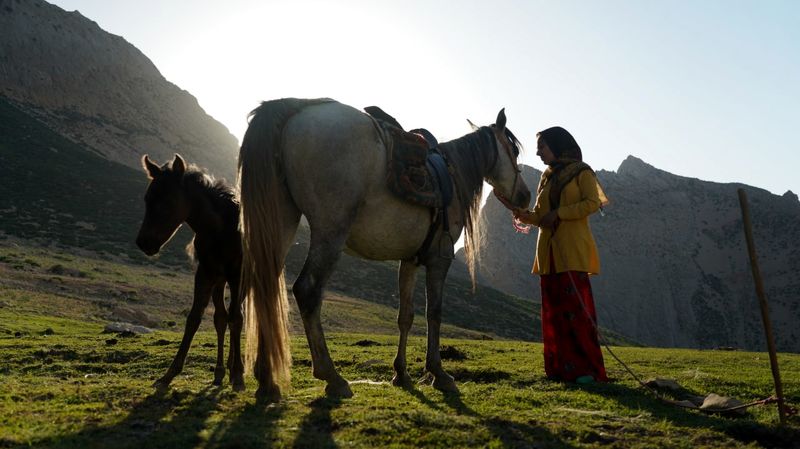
705 89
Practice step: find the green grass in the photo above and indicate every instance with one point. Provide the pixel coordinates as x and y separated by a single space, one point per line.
72 389
65 384
84 286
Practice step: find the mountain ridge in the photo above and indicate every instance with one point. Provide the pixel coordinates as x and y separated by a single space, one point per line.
99 90
674 266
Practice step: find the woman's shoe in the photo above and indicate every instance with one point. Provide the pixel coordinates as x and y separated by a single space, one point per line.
583 380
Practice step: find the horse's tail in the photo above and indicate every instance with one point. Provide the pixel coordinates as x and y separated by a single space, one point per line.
264 248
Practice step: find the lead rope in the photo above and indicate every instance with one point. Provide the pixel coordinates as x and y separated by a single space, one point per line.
787 409
651 390
648 388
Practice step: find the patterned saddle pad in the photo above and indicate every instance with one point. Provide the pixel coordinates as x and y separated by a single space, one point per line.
411 172
408 176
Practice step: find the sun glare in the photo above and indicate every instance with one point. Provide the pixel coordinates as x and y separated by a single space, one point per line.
352 53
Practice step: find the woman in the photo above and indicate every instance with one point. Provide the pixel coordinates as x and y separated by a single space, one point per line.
565 256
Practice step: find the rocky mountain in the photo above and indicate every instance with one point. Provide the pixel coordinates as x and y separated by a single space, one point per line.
674 264
100 91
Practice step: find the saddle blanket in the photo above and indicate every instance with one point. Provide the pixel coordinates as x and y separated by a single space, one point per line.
408 176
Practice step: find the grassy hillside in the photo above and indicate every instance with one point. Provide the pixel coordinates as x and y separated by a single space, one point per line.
81 285
56 192
67 385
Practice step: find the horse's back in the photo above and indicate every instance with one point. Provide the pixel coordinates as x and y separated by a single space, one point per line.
336 161
332 152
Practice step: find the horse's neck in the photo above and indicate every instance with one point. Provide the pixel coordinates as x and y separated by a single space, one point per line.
470 158
205 216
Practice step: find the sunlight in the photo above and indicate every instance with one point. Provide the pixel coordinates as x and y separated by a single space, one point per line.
353 54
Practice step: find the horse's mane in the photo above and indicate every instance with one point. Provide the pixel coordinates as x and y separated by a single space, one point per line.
471 165
218 190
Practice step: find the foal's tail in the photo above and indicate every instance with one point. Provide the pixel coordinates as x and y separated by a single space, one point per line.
264 243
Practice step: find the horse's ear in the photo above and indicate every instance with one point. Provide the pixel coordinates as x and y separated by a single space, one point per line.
472 125
500 123
152 169
178 165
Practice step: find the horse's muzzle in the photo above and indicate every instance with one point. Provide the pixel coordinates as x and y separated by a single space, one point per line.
147 247
520 200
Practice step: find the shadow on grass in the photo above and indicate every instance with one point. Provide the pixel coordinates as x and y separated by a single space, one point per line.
164 419
512 434
420 396
255 426
316 430
743 429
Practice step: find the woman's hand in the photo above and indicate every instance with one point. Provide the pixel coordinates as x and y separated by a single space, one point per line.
550 220
522 215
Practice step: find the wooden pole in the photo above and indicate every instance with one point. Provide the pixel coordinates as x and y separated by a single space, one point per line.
762 300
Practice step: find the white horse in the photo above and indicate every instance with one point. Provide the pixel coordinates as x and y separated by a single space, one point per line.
328 161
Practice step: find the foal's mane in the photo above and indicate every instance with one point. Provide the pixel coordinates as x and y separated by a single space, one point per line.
218 190
470 164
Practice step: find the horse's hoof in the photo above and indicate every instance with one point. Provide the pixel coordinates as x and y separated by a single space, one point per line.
219 376
267 395
445 383
339 389
162 384
238 385
402 380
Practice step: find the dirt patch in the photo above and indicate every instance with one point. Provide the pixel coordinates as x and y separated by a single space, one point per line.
123 356
61 270
452 353
765 436
480 376
58 353
134 316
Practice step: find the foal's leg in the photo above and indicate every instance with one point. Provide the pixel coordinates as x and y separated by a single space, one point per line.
235 322
220 324
203 285
436 271
322 256
406 278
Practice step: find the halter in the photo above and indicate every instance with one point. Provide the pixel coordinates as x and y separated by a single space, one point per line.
507 146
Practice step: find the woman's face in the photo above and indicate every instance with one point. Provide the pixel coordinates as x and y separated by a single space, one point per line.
544 152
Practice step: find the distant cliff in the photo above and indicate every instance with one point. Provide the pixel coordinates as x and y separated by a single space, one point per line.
100 91
675 270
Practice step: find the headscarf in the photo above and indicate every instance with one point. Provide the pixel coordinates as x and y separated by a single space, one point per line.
562 144
567 165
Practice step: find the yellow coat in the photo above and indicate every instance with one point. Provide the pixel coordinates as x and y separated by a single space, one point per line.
573 246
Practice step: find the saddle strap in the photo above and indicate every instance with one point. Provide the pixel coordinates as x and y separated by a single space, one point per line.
438 166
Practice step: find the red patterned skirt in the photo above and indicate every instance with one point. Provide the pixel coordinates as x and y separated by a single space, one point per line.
571 346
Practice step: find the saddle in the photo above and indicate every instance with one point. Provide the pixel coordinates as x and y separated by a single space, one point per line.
416 171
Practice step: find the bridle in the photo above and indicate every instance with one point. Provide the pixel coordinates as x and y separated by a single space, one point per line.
509 147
